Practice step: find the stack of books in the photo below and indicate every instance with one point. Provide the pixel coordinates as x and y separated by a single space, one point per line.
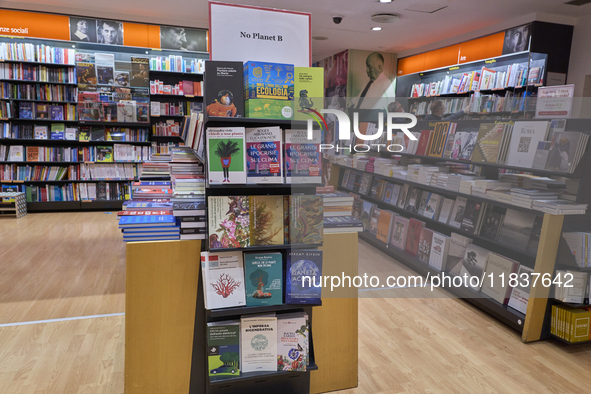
526 197
342 224
579 246
149 190
149 228
560 207
155 170
337 204
484 187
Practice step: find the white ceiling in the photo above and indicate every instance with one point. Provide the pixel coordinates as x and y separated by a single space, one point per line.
460 19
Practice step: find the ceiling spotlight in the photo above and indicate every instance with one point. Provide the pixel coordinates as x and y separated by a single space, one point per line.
385 1
377 28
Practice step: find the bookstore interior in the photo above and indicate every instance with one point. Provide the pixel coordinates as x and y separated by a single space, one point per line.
271 200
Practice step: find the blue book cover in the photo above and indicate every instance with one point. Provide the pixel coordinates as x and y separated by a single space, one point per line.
264 278
144 183
148 220
303 271
144 205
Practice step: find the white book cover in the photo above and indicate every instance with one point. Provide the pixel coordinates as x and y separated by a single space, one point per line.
499 266
223 281
302 157
446 209
474 263
292 342
573 287
16 153
524 142
226 155
439 248
258 343
520 295
154 108
433 205
264 155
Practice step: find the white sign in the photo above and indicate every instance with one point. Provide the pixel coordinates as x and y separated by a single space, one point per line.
243 33
555 101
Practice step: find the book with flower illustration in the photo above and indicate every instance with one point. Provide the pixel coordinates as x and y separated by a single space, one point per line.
226 155
229 222
266 220
223 279
306 220
264 151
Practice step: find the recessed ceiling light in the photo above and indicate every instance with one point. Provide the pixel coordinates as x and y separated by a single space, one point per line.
385 1
320 38
377 28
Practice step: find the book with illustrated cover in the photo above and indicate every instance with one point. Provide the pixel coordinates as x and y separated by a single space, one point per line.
303 269
56 112
16 153
472 217
223 345
403 196
224 90
223 279
264 151
466 145
399 232
140 72
229 222
488 143
32 153
292 342
414 199
459 139
364 187
439 248
492 221
455 254
25 110
104 154
306 218
439 139
395 195
457 214
433 206
425 196
263 273
266 220
520 294
226 155
565 151
258 338
413 236
302 157
385 225
474 263
449 144
499 266
105 66
85 69
516 229
366 212
40 132
446 209
345 180
425 240
541 155
524 142
373 220
57 131
308 92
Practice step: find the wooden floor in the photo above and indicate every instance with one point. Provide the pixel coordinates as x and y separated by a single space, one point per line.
70 265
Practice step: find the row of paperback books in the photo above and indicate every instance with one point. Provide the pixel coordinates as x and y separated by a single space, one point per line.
59 131
243 221
84 171
28 110
258 343
125 111
78 192
183 88
99 154
177 64
571 324
23 72
236 279
47 92
259 155
36 53
5 110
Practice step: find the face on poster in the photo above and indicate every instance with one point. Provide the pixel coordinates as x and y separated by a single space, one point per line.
517 39
377 67
109 32
82 29
183 39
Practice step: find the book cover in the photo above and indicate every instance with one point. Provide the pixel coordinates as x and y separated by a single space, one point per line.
488 143
223 279
498 266
562 154
104 154
303 270
395 195
403 196
455 254
425 196
438 139
85 69
226 155
275 81
364 187
56 112
292 342
308 91
40 132
345 180
32 153
229 222
449 144
474 263
263 273
541 155
224 89
433 205
25 110
366 212
264 151
302 157
534 238
423 142
266 220
425 240
223 345
446 209
388 193
467 144
457 214
140 72
385 225
492 221
258 337
414 200
399 232
57 131
524 142
439 248
516 229
306 219
520 294
15 153
374 218
472 217
105 66
413 236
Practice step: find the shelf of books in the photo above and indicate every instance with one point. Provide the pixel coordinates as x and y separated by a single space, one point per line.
85 103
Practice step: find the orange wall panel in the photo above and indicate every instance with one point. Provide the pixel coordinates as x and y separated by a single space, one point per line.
442 57
482 48
411 64
140 35
32 24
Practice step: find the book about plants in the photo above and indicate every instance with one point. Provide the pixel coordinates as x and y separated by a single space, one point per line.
223 279
226 155
264 152
306 219
258 338
292 342
302 157
266 220
303 274
229 222
263 273
223 348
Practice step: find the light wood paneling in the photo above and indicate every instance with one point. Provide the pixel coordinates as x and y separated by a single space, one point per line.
334 324
162 280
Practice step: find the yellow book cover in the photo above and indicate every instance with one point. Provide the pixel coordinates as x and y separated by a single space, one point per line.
580 320
384 224
438 139
308 91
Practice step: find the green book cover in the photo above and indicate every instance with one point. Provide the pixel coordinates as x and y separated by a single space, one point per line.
308 91
223 346
263 274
